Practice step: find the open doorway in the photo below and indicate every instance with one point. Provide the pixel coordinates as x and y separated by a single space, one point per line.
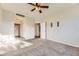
17 30
37 30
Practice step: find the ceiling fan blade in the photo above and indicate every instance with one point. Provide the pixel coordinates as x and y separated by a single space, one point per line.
40 11
44 6
33 9
31 4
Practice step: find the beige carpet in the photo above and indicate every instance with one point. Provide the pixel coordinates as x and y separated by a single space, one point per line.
42 47
19 44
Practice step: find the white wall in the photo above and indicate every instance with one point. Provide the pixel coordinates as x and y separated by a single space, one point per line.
7 26
8 23
68 31
43 30
0 17
28 28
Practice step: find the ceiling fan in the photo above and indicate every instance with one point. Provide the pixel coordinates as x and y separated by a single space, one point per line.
37 6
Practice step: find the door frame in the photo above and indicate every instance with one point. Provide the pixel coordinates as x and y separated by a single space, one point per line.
19 28
39 30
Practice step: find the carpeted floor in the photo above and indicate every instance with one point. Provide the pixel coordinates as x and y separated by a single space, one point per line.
42 47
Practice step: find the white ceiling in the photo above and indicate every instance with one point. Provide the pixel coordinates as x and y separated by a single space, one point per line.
24 8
